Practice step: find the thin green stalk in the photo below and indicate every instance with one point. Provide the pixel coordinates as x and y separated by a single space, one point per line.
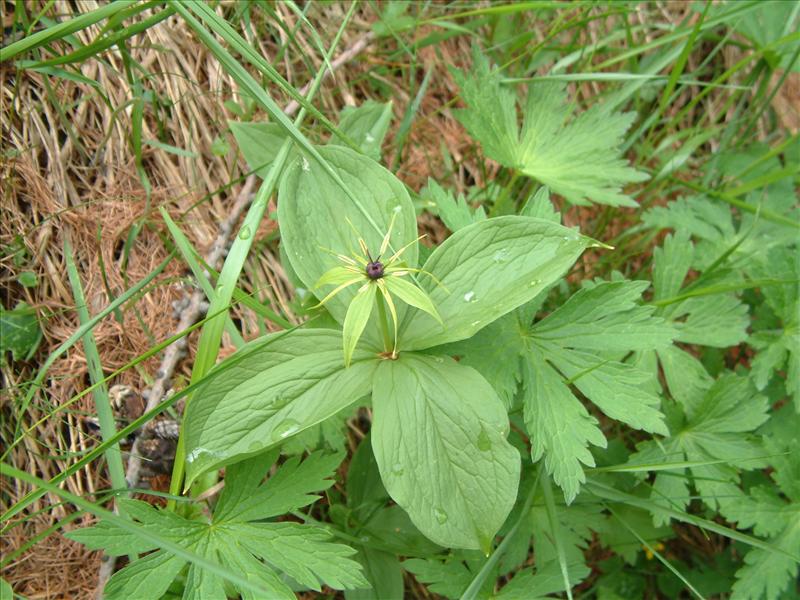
108 426
388 346
550 506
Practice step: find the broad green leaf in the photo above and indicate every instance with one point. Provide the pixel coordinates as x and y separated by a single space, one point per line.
455 213
314 212
356 319
364 486
439 437
486 270
277 386
495 353
19 331
576 157
719 321
559 425
367 125
6 593
687 379
606 317
259 143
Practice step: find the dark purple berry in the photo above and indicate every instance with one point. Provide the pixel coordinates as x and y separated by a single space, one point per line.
375 269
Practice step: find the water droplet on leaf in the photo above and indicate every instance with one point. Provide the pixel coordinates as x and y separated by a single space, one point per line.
469 297
500 256
286 428
397 469
244 234
440 515
484 443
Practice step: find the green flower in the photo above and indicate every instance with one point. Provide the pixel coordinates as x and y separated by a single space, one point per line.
379 282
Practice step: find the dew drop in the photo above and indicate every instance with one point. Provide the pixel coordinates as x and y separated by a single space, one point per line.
397 469
500 256
397 208
484 443
304 164
286 428
365 538
244 233
440 515
369 138
469 297
474 323
535 282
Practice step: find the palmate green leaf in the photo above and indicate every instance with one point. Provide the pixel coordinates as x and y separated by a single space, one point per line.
766 509
304 553
559 426
439 437
486 270
715 430
277 386
563 349
767 574
606 317
314 212
618 389
576 157
449 577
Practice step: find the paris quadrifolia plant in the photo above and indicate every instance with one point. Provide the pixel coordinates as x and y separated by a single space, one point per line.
439 428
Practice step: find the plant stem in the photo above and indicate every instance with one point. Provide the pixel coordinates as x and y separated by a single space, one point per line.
387 337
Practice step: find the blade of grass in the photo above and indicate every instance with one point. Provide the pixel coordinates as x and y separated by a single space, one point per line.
240 45
609 493
36 383
131 427
190 255
105 415
655 553
552 518
56 32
